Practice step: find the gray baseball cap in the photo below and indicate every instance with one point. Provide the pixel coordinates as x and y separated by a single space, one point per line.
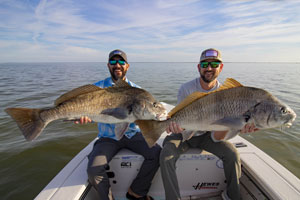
117 52
211 54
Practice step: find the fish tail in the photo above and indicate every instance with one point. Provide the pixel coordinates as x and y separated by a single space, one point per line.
151 130
28 120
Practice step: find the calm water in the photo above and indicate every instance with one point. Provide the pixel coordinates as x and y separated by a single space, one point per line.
27 167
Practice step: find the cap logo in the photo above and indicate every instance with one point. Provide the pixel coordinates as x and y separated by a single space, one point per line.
117 52
211 53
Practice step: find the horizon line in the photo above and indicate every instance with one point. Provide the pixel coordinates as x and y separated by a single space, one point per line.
147 62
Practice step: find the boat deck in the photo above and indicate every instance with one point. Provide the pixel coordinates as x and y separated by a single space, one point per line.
249 190
262 178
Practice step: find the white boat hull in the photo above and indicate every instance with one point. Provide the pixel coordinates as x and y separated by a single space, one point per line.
199 174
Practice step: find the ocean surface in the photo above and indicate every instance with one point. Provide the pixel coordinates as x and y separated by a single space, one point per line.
27 167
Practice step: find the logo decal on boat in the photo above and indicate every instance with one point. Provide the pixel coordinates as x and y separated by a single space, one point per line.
132 158
125 164
196 157
206 185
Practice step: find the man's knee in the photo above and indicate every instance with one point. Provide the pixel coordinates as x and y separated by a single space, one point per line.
170 151
152 154
167 154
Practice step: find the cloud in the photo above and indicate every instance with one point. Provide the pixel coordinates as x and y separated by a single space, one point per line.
150 30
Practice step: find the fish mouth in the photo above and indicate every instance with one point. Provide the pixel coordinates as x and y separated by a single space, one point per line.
287 125
162 117
290 120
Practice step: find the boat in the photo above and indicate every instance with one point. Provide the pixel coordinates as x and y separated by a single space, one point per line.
200 175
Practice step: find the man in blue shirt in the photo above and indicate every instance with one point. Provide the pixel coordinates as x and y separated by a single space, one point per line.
107 146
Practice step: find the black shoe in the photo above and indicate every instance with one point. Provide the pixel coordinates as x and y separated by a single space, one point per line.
130 197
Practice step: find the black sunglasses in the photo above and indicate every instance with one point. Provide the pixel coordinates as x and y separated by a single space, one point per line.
114 62
212 64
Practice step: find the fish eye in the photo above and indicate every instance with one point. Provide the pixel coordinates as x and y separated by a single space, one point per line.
284 110
155 104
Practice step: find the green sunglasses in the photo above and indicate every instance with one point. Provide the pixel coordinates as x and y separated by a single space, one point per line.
114 62
212 64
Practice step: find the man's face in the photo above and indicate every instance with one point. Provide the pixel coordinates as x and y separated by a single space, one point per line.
117 70
209 74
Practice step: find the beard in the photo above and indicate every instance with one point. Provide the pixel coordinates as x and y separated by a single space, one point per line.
116 77
208 77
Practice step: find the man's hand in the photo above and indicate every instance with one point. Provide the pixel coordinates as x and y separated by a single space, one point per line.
83 120
174 128
249 128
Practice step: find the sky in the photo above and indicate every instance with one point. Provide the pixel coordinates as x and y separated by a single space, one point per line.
149 31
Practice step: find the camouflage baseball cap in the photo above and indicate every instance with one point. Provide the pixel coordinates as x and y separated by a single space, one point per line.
117 52
211 54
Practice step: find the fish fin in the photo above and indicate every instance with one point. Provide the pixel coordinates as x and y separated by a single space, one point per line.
76 92
229 83
119 113
231 134
231 122
120 129
28 120
186 134
151 130
121 83
187 101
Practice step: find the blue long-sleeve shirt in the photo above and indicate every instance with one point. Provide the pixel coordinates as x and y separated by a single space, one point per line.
108 130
